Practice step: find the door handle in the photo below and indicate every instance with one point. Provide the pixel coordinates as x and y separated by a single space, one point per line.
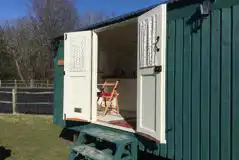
157 69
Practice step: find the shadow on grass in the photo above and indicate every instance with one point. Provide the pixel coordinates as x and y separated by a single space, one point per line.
4 153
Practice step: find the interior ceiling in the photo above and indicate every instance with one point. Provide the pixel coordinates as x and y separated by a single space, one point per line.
122 36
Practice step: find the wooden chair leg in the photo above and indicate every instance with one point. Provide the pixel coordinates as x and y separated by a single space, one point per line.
117 105
105 102
107 108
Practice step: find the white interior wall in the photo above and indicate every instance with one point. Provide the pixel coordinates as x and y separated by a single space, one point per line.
117 60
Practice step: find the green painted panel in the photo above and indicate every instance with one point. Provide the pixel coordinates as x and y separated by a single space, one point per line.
181 10
225 4
178 88
196 60
210 84
205 89
58 88
215 86
163 150
187 69
225 84
170 88
235 85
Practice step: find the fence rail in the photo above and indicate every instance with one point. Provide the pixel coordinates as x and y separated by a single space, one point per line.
26 84
13 94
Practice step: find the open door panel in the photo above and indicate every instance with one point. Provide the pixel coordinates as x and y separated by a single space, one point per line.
78 76
151 73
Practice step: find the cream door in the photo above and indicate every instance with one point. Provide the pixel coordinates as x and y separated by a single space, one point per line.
151 73
78 78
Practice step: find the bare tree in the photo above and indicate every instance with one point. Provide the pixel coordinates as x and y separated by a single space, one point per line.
53 17
50 19
28 39
19 45
6 61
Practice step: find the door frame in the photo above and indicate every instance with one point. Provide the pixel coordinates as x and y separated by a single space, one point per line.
162 97
163 79
94 73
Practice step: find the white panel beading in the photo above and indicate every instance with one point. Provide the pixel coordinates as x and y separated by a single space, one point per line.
148 29
77 58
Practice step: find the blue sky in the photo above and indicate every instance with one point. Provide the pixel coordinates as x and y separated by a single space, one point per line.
11 9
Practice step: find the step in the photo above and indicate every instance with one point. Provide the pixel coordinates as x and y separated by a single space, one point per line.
127 158
108 135
92 152
91 144
108 151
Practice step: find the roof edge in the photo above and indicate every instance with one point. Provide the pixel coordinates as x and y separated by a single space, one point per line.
114 20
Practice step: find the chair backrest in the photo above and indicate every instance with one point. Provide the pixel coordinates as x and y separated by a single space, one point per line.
111 84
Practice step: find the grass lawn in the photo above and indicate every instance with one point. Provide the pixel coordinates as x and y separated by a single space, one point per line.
32 137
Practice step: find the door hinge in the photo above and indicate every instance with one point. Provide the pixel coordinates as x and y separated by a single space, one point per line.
157 69
65 36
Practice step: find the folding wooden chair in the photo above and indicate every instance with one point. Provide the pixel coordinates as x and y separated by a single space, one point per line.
108 96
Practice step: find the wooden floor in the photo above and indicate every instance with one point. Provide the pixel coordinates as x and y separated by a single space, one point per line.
125 119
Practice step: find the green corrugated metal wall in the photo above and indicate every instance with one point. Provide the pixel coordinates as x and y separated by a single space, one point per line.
203 83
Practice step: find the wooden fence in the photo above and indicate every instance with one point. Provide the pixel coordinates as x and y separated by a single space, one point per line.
26 100
26 84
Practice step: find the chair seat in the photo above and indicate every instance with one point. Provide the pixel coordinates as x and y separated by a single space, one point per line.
105 94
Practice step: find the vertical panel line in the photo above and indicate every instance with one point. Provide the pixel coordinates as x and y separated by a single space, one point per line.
210 78
191 95
231 90
220 84
183 86
200 91
174 52
167 110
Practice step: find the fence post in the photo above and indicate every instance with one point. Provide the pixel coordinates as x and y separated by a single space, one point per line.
47 83
0 83
31 83
14 100
15 83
